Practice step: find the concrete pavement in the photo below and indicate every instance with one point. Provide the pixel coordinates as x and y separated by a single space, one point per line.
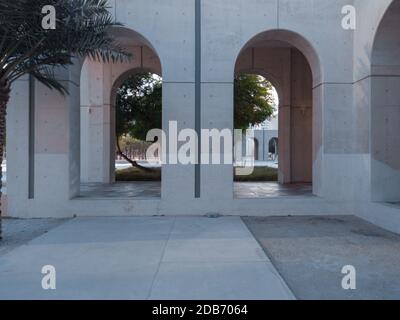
144 258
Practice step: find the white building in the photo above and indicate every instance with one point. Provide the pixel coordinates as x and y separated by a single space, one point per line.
339 112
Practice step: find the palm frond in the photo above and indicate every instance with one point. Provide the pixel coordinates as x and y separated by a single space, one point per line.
46 76
82 30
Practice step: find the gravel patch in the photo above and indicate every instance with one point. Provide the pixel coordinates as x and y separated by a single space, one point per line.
17 232
310 252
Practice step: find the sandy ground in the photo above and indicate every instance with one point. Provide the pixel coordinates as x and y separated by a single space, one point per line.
310 252
17 232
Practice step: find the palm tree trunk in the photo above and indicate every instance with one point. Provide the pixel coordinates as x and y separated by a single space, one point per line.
133 163
4 97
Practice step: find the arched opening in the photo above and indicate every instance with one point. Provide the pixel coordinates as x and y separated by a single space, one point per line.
256 149
273 148
256 113
290 64
385 108
137 98
104 87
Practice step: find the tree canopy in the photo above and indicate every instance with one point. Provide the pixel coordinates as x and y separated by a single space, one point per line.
253 100
81 29
139 103
139 106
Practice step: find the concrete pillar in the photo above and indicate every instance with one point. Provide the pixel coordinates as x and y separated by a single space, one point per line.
178 109
217 113
57 146
300 119
385 109
96 123
317 141
385 153
17 185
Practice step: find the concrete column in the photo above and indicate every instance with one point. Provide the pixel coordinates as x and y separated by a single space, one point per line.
217 113
385 109
295 120
333 160
317 141
57 144
96 123
385 153
17 150
300 119
178 109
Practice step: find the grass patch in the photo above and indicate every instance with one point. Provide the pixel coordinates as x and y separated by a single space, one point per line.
260 174
135 174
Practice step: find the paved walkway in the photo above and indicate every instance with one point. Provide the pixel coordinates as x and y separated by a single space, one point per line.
144 258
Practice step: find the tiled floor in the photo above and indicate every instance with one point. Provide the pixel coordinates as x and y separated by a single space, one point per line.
259 190
151 190
125 190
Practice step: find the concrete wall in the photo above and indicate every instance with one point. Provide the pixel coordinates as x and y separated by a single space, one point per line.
18 149
258 144
385 109
353 121
376 100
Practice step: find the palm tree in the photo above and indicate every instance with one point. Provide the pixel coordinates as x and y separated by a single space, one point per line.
26 48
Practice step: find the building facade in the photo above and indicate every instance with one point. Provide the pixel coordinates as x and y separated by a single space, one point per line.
339 112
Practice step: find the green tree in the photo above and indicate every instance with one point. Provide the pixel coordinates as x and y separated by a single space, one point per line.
139 106
138 109
26 48
253 100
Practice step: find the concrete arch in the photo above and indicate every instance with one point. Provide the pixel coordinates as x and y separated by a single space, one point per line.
98 81
256 149
294 39
144 57
386 6
273 145
139 33
385 108
386 48
113 96
125 75
125 36
290 61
